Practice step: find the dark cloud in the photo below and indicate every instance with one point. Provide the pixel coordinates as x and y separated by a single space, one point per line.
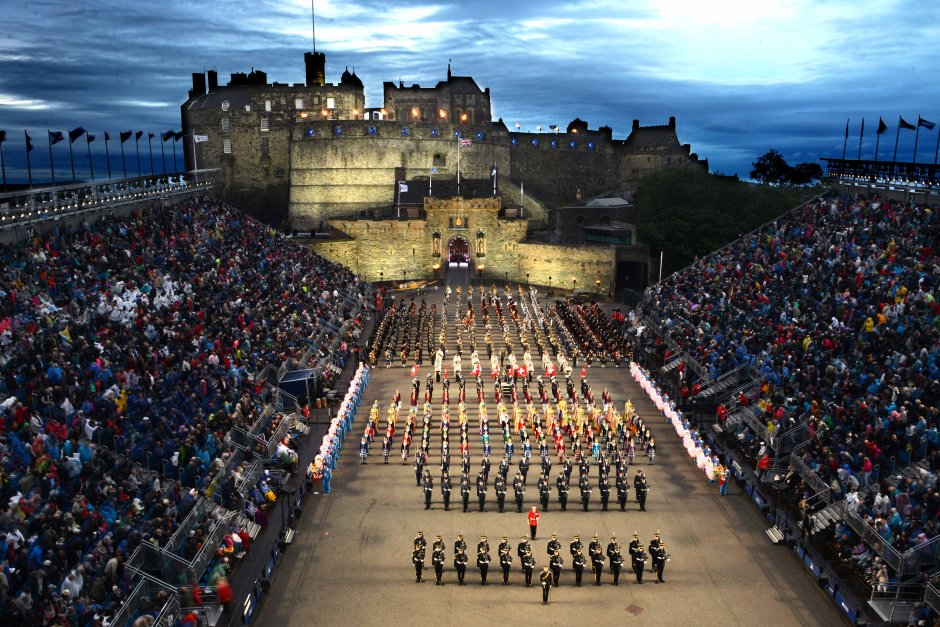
769 74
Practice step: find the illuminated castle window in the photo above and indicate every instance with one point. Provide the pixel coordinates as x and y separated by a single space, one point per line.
436 244
458 222
481 244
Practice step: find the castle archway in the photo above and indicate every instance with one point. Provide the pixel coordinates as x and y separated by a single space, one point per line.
458 253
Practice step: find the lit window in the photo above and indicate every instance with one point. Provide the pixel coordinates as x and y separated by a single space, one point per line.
331 103
227 146
265 147
298 103
225 105
265 125
226 124
267 105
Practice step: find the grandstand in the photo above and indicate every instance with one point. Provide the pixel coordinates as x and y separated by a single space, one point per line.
146 445
150 444
811 344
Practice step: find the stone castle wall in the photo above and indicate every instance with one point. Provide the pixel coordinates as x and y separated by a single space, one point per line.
404 249
343 174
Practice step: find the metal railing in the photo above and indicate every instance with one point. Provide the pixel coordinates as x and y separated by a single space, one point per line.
900 598
932 596
142 601
817 483
910 562
37 204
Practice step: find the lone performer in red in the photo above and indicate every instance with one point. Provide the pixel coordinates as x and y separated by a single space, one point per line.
533 521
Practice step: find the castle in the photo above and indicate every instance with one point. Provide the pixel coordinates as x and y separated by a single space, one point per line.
316 151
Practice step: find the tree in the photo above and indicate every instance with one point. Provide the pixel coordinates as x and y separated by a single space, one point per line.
805 174
688 213
771 168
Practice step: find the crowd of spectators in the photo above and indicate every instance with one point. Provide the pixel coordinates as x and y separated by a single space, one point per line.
128 349
835 305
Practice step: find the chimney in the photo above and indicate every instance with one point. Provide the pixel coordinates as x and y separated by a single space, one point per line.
315 64
213 80
636 125
199 85
672 121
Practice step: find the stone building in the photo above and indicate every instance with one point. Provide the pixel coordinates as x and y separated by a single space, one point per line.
249 124
458 99
315 151
490 240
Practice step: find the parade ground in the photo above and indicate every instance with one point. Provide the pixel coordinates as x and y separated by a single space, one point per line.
350 562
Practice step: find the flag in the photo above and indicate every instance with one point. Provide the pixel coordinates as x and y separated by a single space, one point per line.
168 135
493 171
140 134
3 136
89 137
107 136
904 124
198 139
920 122
55 137
882 127
402 187
75 133
29 143
464 142
150 135
177 136
125 135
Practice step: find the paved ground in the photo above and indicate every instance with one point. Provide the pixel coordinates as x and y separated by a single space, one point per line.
350 563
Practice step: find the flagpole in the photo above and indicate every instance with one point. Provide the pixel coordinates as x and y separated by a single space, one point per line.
195 167
150 148
877 143
29 166
107 154
163 154
71 157
845 144
860 135
897 137
430 180
521 198
137 144
916 138
937 151
175 169
3 167
51 164
91 168
123 162
398 203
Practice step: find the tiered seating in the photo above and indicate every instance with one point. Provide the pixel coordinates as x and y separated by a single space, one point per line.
834 306
127 350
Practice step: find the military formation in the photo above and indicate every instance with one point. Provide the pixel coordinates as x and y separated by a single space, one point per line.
600 560
564 423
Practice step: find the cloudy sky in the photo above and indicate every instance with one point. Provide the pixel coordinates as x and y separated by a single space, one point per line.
741 76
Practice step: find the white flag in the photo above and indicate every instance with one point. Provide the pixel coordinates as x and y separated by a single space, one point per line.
200 138
402 187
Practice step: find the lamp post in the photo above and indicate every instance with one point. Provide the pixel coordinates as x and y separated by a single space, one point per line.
526 278
549 280
574 283
597 287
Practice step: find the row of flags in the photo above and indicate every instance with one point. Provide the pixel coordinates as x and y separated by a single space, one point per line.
73 135
882 127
